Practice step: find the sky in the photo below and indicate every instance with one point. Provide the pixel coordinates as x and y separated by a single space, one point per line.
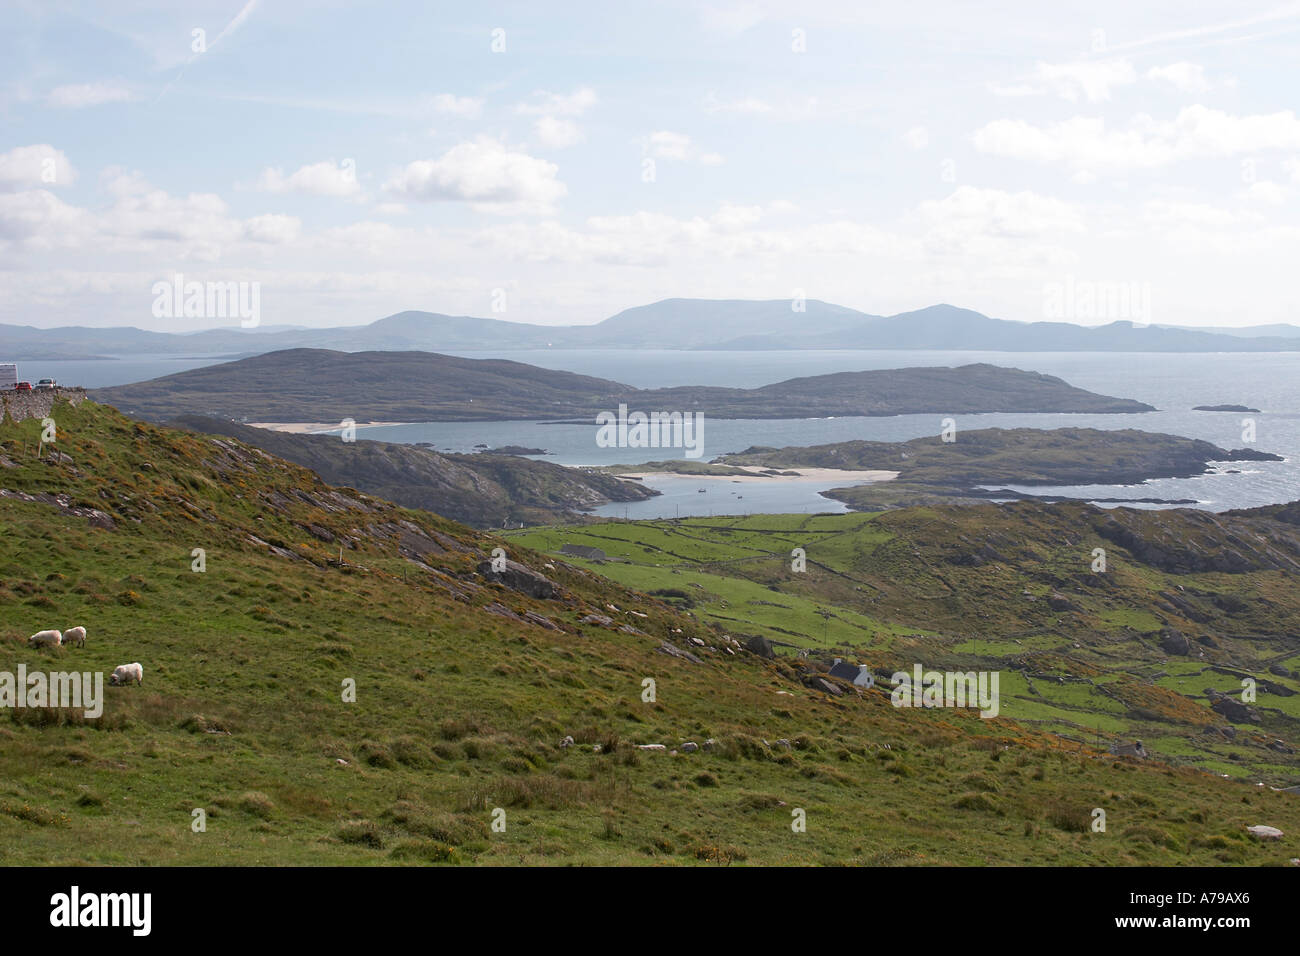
557 163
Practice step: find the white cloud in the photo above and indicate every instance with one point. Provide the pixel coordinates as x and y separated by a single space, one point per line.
751 105
79 95
555 128
1087 144
732 218
139 220
1174 218
678 147
1013 89
1185 77
1267 193
34 167
486 173
918 137
971 210
273 229
1091 80
666 144
325 178
543 103
448 104
41 219
556 133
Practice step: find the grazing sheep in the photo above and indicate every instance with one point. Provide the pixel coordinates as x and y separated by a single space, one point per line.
125 673
75 635
50 638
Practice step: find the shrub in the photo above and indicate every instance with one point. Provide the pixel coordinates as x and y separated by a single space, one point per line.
980 802
256 803
362 833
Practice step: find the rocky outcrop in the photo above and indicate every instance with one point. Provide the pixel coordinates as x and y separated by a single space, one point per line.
1174 642
484 490
1234 710
521 578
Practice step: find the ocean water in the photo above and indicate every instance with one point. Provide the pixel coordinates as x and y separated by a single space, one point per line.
1174 383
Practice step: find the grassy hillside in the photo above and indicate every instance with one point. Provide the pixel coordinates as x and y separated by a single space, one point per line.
1188 602
465 691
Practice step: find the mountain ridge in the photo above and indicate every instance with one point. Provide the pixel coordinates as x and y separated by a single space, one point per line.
668 323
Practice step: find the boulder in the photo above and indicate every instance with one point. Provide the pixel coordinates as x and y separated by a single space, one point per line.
1059 602
689 747
1235 710
1174 642
532 617
1261 832
757 644
813 682
672 650
521 578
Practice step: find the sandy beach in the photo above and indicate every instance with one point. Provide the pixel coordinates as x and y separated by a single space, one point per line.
311 428
839 476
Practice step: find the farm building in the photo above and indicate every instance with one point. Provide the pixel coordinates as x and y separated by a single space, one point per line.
859 675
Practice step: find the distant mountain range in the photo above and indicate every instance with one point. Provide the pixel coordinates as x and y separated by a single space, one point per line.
671 324
314 385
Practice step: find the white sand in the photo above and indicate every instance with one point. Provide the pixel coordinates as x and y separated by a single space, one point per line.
311 428
838 475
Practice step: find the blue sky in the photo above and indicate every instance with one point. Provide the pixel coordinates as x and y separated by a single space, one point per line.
356 160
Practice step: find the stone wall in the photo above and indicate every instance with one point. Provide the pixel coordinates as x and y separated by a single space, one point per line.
18 406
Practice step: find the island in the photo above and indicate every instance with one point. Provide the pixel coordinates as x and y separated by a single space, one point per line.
315 385
978 462
513 450
1223 408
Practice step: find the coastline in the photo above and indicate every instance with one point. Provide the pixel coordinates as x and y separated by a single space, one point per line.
312 428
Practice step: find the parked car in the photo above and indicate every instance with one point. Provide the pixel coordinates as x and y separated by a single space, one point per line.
45 383
23 387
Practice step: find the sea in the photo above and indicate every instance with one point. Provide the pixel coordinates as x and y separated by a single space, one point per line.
1172 382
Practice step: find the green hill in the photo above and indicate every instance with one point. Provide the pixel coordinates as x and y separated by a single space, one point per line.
467 689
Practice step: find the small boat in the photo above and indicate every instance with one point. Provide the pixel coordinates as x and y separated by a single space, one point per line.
702 490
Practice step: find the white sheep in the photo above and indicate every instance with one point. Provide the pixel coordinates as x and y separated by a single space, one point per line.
125 673
50 638
75 635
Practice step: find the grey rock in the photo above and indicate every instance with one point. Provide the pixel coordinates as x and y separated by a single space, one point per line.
521 578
